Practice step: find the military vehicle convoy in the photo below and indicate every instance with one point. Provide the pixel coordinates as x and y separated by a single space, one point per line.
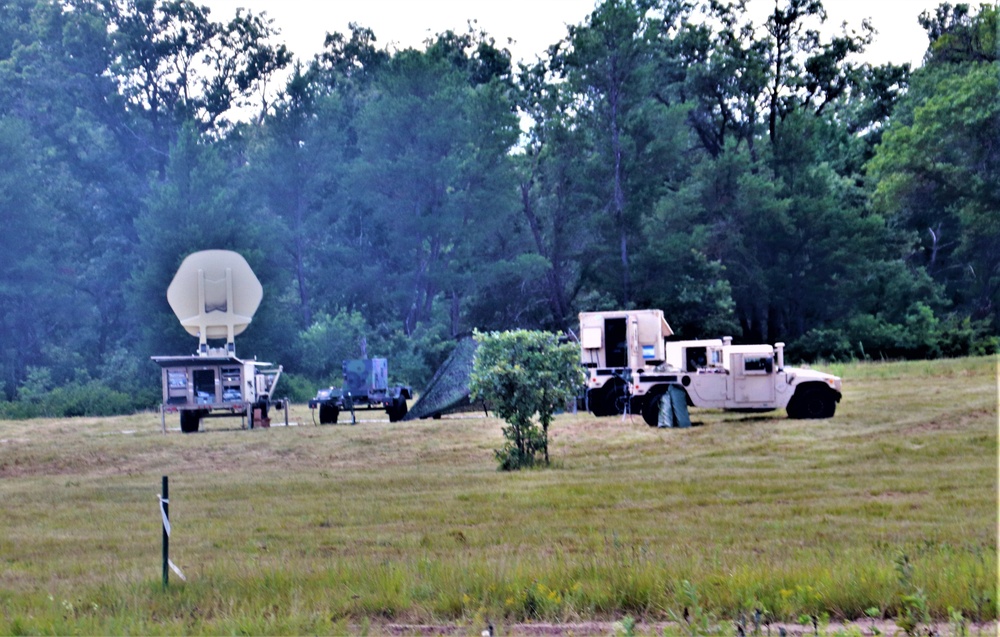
366 386
214 296
630 365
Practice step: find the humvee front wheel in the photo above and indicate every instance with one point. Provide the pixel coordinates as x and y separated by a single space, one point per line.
812 403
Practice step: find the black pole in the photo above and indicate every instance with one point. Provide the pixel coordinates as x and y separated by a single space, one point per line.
166 537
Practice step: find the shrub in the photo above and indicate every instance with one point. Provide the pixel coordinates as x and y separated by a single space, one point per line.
830 345
322 348
523 373
296 388
37 397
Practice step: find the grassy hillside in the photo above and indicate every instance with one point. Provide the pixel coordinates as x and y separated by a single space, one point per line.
890 505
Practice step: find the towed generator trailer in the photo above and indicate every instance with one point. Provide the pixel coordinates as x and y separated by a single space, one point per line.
366 386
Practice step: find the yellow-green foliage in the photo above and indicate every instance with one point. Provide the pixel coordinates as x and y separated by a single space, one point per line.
885 510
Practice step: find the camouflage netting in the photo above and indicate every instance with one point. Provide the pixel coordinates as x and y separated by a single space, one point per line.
448 390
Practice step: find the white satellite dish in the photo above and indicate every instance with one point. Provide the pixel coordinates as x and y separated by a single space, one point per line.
215 295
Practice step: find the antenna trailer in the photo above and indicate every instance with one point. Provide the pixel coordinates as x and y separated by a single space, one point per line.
215 295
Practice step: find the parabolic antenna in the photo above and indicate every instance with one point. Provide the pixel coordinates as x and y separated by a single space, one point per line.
215 295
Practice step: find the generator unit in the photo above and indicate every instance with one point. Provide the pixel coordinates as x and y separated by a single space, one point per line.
366 386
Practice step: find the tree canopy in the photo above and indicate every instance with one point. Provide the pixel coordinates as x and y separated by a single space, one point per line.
752 179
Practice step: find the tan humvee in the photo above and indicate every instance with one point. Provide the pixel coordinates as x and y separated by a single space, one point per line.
630 365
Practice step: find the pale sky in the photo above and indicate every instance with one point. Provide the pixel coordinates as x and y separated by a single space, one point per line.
534 25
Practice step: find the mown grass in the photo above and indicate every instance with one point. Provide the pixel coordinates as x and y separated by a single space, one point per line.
344 529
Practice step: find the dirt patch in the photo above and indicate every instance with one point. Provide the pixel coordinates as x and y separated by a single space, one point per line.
960 421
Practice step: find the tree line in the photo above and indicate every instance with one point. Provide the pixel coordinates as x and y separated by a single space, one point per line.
752 179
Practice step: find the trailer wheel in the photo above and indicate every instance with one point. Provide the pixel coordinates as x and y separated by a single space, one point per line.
328 414
812 403
397 410
190 420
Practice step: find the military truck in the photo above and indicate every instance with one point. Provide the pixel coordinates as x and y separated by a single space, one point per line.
214 295
630 365
366 386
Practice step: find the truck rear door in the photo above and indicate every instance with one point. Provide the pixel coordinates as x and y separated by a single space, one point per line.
616 342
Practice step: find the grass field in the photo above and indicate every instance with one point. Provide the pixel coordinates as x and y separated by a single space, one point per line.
889 508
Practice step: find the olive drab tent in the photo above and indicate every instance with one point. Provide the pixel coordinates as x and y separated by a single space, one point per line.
448 390
674 409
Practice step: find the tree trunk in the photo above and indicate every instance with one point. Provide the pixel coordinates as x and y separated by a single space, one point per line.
552 278
413 314
545 441
618 196
935 247
456 313
300 275
300 249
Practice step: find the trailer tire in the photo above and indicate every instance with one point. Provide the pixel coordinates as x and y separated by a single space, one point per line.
190 420
328 414
397 409
812 403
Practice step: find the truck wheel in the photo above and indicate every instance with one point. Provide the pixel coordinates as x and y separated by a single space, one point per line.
595 402
609 400
328 414
618 400
190 421
812 403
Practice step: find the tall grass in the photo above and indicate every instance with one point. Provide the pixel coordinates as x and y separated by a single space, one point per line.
340 529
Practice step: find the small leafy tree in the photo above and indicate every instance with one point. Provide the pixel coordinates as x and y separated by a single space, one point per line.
523 373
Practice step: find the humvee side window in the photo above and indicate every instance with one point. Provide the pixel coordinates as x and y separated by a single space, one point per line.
696 359
758 364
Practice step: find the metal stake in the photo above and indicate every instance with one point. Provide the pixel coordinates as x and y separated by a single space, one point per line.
165 503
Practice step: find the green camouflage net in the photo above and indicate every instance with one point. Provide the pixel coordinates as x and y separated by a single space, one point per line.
448 390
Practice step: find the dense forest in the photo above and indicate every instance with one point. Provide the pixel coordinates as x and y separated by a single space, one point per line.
757 180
